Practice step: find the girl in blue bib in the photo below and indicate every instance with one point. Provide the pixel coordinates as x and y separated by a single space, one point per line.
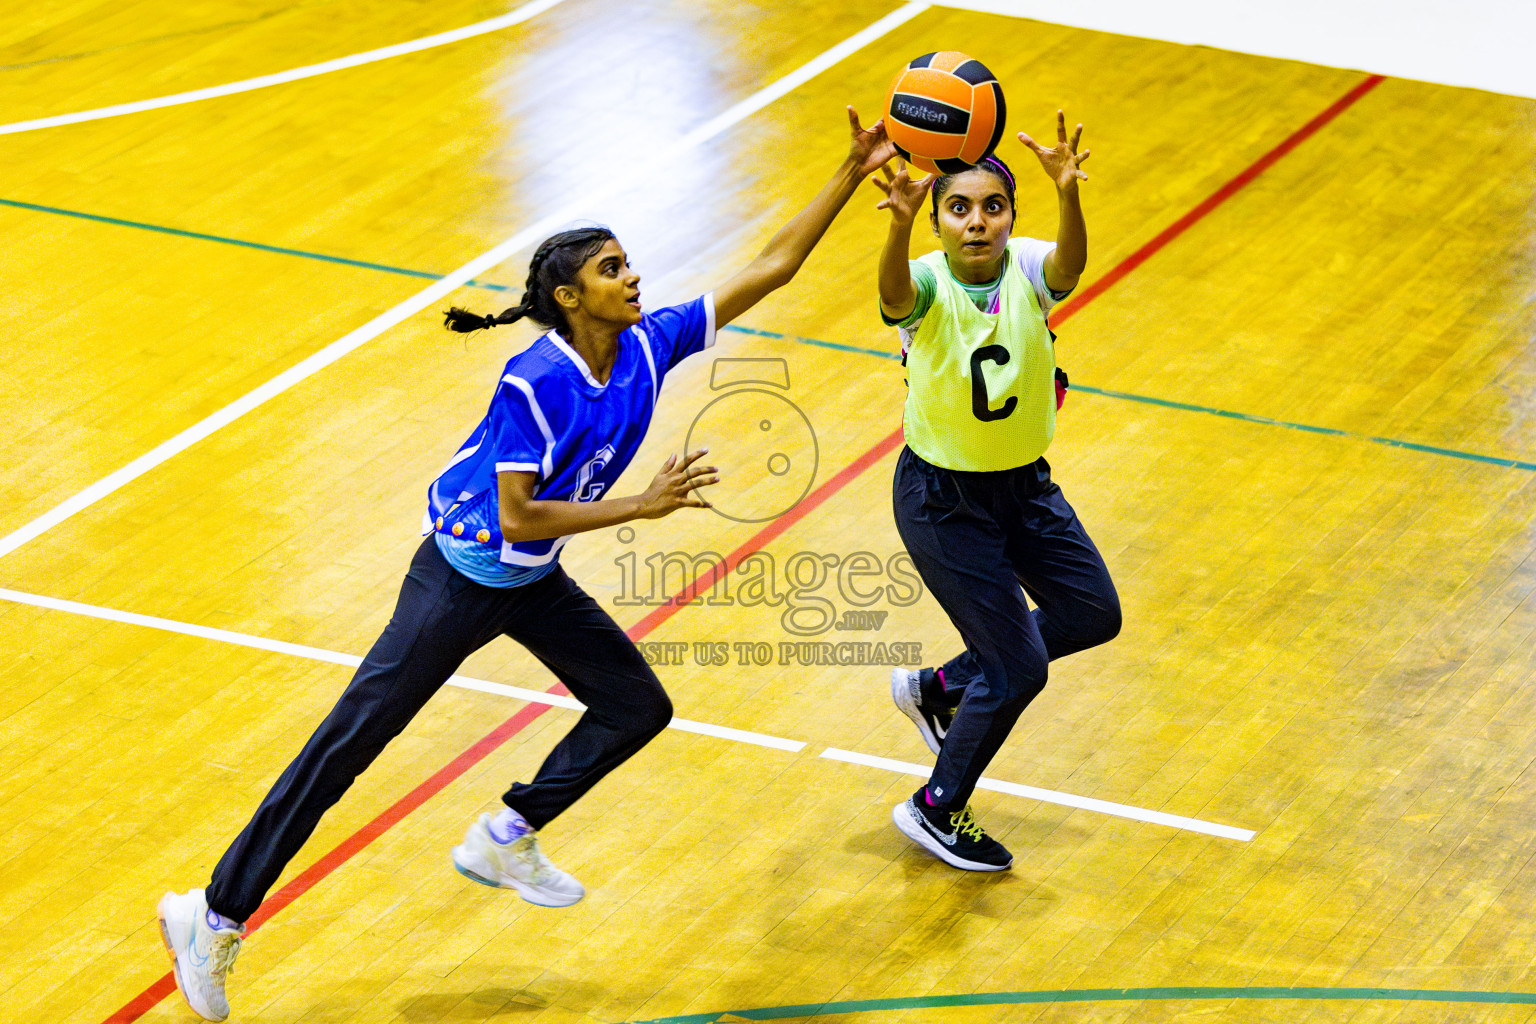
568 415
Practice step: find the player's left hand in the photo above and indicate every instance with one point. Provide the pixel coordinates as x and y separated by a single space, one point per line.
1063 161
869 147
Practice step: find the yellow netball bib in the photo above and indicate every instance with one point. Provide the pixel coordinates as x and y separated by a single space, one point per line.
981 392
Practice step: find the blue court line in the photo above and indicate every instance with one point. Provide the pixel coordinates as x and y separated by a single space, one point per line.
1391 442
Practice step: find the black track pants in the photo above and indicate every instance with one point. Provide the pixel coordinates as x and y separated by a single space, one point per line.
977 539
441 618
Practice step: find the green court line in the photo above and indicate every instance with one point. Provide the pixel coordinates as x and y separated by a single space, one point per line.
1188 407
1391 442
260 246
1092 995
811 341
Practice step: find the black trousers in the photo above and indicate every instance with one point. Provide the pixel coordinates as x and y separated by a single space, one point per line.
441 618
976 539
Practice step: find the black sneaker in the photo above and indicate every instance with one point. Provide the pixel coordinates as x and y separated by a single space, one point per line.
932 721
952 836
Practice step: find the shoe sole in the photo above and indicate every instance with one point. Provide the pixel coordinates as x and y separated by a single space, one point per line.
170 951
530 894
913 830
901 694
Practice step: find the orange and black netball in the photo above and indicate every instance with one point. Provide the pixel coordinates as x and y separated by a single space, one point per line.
945 112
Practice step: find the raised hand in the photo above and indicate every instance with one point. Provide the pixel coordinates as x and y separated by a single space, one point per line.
676 486
903 196
869 147
1063 161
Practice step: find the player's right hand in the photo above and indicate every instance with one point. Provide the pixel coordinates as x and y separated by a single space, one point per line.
903 196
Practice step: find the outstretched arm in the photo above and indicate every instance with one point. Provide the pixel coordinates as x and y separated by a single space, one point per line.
904 198
524 518
782 257
1065 265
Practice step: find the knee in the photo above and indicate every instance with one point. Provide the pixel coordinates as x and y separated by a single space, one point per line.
1094 624
651 710
1022 677
1024 687
1108 625
658 712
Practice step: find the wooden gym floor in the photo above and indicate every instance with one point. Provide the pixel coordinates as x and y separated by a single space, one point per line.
1300 438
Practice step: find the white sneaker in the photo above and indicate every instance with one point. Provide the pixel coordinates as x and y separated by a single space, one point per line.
519 865
932 722
201 955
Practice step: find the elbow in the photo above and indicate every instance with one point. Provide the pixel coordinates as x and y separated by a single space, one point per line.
1074 268
777 272
897 309
513 528
1062 279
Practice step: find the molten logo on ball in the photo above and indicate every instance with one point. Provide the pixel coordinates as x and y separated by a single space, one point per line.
911 110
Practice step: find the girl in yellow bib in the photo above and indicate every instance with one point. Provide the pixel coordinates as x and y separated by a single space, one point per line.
974 500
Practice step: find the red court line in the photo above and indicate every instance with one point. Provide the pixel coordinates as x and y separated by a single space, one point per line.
352 845
760 539
146 1000
1064 311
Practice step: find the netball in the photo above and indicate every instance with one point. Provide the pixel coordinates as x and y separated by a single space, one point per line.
945 112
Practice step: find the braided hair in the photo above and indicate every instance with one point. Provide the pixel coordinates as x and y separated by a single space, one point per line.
555 262
992 165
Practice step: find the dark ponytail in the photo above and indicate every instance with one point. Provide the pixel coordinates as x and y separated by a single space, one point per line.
557 261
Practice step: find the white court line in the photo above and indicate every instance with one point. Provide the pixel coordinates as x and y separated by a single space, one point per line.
1050 796
261 643
681 724
479 28
440 288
